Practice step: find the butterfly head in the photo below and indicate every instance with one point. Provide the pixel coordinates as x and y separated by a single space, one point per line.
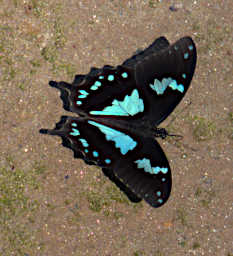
160 133
163 133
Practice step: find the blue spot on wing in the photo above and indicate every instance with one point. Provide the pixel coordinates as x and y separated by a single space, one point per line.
122 141
146 165
84 143
160 87
160 200
107 161
83 92
82 96
75 132
130 106
110 78
96 85
157 169
124 75
95 154
176 86
186 55
190 47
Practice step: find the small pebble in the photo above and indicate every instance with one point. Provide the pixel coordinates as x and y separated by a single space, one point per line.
172 8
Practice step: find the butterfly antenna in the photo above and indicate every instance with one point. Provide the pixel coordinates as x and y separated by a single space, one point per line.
176 135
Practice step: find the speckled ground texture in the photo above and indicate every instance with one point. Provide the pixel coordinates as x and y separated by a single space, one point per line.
54 205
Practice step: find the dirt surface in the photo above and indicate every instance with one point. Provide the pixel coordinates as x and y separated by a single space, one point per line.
52 204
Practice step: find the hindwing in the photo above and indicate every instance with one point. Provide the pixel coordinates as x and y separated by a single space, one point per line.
138 162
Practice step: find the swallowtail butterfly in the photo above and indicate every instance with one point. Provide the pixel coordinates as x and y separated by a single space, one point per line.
119 110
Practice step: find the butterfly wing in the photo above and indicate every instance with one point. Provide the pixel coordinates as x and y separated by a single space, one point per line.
138 162
159 44
159 76
94 89
165 77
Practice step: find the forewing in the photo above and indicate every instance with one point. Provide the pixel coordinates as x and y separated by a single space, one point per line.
165 77
100 87
148 86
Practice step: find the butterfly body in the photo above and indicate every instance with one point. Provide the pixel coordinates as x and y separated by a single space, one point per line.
119 110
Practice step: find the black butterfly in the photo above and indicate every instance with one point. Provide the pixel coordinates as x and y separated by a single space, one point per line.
119 110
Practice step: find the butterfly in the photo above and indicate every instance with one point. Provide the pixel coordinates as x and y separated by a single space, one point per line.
119 110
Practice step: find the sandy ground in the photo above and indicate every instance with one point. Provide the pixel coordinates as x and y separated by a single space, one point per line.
52 204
